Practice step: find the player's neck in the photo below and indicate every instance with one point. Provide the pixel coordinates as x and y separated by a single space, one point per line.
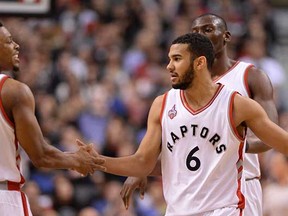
200 93
222 63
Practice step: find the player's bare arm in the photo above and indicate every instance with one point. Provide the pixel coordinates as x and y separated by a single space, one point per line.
261 90
19 105
248 112
143 161
133 183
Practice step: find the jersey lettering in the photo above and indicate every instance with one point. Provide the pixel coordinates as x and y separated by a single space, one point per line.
214 139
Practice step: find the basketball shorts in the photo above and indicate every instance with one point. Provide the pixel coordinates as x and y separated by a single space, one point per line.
226 211
14 203
253 198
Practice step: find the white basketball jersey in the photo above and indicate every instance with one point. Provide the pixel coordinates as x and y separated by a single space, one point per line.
9 154
236 78
201 155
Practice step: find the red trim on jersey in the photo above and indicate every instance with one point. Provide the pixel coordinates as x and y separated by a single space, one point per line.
16 141
22 181
1 104
246 84
13 186
230 69
18 157
241 212
24 203
241 203
163 106
195 112
231 120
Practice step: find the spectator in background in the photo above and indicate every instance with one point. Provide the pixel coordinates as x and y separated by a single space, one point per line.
89 211
99 35
275 193
20 129
254 52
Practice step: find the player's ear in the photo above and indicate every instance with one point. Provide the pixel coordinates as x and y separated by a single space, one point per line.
200 62
227 37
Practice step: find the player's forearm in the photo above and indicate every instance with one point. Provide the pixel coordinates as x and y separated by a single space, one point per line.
256 147
128 166
273 135
52 157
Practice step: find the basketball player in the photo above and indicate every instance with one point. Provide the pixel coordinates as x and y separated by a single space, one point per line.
199 128
18 125
248 81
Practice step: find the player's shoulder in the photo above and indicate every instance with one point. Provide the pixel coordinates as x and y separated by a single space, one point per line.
14 90
258 79
256 74
159 100
15 86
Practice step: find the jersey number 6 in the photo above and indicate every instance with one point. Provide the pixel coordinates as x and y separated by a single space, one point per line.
190 158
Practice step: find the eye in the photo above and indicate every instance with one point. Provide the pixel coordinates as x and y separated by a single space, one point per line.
9 40
208 30
177 59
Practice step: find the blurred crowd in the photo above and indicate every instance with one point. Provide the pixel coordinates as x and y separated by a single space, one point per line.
95 66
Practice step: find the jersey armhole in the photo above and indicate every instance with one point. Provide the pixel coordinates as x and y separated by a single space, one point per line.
246 84
231 119
1 104
163 107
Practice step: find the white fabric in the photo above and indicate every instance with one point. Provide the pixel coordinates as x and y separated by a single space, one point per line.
213 184
11 203
9 149
253 197
235 79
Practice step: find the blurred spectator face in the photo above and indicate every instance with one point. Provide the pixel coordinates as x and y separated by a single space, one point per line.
279 167
89 211
31 189
116 207
63 189
69 135
255 49
49 212
256 28
145 39
99 104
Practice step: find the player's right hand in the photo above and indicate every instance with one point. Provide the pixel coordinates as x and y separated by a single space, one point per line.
130 185
89 159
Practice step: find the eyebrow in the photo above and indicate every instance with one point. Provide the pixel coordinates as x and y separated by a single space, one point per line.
203 26
175 55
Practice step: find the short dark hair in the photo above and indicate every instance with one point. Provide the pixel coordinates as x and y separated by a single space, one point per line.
198 45
1 24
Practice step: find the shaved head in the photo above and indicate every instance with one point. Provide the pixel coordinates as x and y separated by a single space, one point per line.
220 21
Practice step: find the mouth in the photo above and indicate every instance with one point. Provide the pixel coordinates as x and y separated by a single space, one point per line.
173 76
16 57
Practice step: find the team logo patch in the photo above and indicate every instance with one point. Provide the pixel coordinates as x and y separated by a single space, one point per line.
172 112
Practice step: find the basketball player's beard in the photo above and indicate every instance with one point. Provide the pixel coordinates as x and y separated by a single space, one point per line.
186 80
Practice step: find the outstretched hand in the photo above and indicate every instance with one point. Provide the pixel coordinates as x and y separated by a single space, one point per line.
89 160
130 185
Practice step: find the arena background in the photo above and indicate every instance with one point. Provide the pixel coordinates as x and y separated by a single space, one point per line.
95 66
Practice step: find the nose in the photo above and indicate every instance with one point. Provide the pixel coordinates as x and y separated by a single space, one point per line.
17 47
169 66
